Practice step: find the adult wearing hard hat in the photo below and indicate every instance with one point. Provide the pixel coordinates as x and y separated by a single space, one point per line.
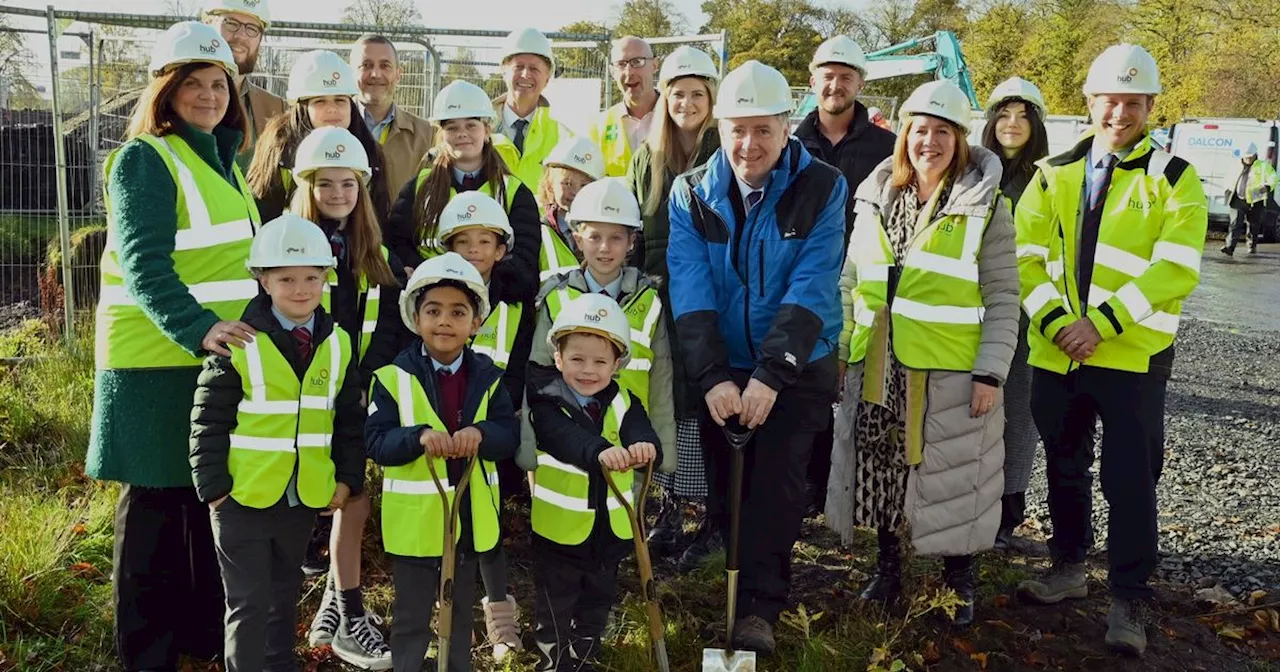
529 132
1015 132
404 137
877 117
625 125
466 158
1103 283
172 292
570 167
683 137
839 131
1249 198
930 290
322 91
242 24
755 261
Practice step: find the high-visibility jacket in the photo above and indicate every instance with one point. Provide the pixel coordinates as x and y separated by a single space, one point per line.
643 310
434 248
612 138
541 136
562 508
216 222
497 336
1262 176
371 297
554 255
412 511
937 307
283 422
1147 258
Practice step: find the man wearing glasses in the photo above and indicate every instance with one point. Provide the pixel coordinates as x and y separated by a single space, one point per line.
242 23
626 125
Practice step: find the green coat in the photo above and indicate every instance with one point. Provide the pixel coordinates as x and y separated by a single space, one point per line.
142 418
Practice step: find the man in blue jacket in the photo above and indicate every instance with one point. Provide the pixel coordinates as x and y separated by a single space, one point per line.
755 254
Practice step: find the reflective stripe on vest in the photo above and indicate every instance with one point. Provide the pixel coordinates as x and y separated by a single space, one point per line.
643 310
937 307
369 318
412 513
562 507
497 336
542 135
215 225
554 257
613 141
433 247
282 421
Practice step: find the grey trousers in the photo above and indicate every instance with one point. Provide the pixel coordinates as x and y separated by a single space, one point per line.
260 552
417 585
1020 435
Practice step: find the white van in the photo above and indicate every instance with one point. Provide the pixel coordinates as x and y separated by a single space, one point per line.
1213 147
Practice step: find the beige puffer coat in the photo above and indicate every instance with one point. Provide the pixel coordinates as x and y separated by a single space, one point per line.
953 496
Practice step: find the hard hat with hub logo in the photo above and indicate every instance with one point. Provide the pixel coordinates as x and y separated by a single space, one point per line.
191 42
687 61
330 148
461 100
321 73
939 98
1017 88
448 267
753 89
289 240
596 314
258 9
1123 68
474 210
527 41
578 153
840 49
606 201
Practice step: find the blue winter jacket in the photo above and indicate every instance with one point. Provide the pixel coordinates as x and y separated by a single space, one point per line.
759 292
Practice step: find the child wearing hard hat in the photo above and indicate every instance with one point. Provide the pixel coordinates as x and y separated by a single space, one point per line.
572 165
585 423
439 401
476 227
332 172
464 159
321 91
276 435
606 221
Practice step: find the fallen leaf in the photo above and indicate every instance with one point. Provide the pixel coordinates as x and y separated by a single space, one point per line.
1257 597
962 645
78 528
1035 659
1263 619
1048 635
1275 619
1001 601
980 658
878 655
83 568
1170 632
931 654
1000 624
1233 632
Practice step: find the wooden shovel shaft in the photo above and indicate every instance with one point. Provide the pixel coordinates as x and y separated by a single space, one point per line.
643 561
448 554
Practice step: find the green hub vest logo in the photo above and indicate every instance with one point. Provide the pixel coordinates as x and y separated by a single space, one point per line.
321 378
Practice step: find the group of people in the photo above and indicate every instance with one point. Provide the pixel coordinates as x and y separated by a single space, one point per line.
484 304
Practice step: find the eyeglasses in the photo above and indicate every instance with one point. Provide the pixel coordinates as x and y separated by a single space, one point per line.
635 63
232 26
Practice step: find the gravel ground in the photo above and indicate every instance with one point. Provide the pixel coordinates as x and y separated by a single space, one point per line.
1220 491
13 314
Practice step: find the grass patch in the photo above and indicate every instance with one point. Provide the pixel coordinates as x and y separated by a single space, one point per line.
24 237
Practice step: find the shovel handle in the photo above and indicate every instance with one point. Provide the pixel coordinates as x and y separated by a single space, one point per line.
448 555
643 561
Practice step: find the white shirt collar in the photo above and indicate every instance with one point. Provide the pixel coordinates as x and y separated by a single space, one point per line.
744 189
437 366
613 289
509 117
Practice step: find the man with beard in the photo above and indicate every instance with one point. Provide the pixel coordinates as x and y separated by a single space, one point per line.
242 23
625 126
404 137
841 133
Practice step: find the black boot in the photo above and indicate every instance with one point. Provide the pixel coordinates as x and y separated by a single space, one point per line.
666 529
316 561
1013 511
886 584
705 541
957 572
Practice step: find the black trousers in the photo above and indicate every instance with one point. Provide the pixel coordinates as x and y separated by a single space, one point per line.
774 497
571 608
417 585
1248 221
166 587
820 465
1131 406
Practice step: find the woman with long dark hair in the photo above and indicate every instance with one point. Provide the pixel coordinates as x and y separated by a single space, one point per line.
1015 132
321 93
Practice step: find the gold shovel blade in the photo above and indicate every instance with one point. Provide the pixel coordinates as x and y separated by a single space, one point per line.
719 660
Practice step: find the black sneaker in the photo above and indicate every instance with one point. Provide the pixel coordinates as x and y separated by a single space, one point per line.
666 531
1228 250
316 561
705 542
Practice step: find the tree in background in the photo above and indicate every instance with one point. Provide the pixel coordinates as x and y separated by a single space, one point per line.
781 33
17 91
385 14
649 18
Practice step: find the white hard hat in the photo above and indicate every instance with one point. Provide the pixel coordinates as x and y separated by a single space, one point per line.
687 61
255 8
1017 88
607 201
321 73
1251 150
593 313
191 42
330 147
527 41
289 240
449 266
939 98
753 89
461 100
474 210
578 153
840 49
1123 68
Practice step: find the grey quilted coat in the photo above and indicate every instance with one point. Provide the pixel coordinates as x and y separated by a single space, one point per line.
953 496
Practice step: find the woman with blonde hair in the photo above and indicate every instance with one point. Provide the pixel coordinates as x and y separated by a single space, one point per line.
930 294
682 137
